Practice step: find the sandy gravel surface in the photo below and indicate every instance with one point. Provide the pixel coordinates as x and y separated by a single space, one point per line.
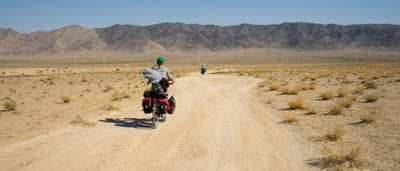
219 124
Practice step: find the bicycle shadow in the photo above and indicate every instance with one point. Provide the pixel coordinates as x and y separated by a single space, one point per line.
138 123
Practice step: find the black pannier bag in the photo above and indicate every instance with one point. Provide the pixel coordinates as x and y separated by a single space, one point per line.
163 108
147 106
146 94
172 105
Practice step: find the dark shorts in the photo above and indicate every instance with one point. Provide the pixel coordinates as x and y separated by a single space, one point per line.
164 84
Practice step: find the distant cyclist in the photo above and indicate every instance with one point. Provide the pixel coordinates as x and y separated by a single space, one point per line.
203 69
163 70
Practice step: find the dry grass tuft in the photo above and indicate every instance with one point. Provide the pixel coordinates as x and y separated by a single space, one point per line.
336 109
311 110
359 89
110 107
80 121
290 91
370 84
120 95
65 99
312 86
10 104
295 103
346 102
342 92
108 88
290 118
311 77
371 97
335 133
340 159
274 86
304 86
261 84
327 95
84 79
367 118
352 97
346 81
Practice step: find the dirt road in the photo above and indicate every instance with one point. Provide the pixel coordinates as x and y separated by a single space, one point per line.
219 124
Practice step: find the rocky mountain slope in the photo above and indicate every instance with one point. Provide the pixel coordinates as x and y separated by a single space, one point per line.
190 37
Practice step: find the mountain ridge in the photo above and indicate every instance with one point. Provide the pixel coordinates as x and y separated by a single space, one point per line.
193 37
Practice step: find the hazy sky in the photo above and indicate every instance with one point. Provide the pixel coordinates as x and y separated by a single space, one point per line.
34 15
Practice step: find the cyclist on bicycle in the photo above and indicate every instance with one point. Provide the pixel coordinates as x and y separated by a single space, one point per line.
163 70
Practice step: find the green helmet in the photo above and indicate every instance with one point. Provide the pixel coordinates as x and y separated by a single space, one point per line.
160 60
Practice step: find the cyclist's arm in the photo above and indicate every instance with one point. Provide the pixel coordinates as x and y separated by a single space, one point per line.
169 75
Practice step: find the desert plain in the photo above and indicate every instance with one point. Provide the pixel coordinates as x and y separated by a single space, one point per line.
311 113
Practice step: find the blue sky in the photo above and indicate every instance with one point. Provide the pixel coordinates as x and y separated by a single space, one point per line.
34 15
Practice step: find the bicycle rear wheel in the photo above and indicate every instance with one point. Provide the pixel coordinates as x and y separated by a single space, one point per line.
155 118
164 116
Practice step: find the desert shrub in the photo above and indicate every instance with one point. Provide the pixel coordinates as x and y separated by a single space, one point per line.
367 118
120 95
65 99
363 77
311 77
261 84
352 97
345 157
80 121
370 84
335 133
125 95
397 80
10 104
342 92
327 95
284 90
290 118
71 82
117 95
311 110
270 77
294 91
336 109
285 83
376 76
304 87
84 79
346 102
49 78
295 103
287 90
110 107
371 97
108 88
274 86
13 90
312 86
346 81
359 89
